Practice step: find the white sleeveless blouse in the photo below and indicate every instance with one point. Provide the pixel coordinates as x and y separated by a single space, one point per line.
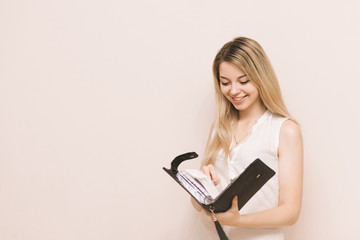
262 143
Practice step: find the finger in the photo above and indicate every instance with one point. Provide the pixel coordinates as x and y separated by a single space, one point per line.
213 175
205 170
234 205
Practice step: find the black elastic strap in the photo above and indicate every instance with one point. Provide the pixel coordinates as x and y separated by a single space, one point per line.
218 227
220 231
179 159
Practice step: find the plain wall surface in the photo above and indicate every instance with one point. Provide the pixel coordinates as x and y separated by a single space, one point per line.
97 96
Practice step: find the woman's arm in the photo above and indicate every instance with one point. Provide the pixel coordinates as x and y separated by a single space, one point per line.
290 186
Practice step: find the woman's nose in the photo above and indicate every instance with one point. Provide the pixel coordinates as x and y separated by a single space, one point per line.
235 89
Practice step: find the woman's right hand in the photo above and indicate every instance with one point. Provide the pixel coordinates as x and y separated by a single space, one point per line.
209 170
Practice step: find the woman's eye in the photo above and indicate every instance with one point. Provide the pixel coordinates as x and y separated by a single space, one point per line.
244 82
224 83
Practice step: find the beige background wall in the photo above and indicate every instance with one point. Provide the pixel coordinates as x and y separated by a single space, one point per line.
97 96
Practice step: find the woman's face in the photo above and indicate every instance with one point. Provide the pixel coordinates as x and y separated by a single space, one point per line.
237 87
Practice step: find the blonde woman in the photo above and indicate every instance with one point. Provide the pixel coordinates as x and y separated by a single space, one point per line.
252 122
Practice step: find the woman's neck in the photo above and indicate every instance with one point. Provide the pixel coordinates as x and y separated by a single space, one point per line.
253 113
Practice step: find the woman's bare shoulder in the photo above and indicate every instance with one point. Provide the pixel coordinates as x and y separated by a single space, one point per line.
290 129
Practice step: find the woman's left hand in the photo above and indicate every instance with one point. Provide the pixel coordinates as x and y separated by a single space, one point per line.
229 217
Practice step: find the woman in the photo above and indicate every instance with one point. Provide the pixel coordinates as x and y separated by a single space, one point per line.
252 122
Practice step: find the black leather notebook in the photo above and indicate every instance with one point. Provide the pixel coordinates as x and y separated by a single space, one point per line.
244 186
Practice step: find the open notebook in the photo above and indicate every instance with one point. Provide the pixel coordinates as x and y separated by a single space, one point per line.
198 184
201 188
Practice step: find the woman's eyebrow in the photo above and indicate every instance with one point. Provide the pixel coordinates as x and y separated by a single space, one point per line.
237 78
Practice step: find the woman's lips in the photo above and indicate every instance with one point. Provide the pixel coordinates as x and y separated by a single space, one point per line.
238 100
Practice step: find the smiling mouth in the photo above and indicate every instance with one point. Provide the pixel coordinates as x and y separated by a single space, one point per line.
239 98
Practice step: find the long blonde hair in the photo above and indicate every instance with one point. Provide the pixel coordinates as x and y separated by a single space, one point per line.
248 56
